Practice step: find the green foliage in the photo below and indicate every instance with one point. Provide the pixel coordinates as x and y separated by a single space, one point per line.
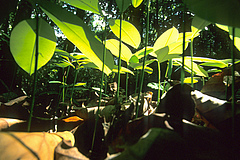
92 5
130 34
113 46
23 44
80 34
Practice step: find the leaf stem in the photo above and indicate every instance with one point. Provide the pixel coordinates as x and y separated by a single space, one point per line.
35 72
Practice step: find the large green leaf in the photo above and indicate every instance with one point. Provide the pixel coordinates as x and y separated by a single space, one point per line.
198 24
217 11
136 3
23 44
171 51
113 46
123 4
91 5
168 37
79 34
236 35
129 32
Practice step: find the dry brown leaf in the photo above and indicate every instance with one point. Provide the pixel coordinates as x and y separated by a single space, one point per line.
16 100
8 122
35 145
65 151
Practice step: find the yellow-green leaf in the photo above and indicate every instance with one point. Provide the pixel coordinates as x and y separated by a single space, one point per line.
139 54
171 51
136 3
23 44
168 37
198 70
188 80
89 5
123 70
129 32
113 46
79 34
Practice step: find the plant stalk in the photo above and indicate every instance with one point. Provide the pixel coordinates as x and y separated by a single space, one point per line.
144 59
183 54
233 83
35 72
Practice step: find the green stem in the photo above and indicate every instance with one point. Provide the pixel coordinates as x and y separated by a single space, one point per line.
127 84
100 96
119 63
35 72
74 82
159 82
136 83
144 59
183 54
192 63
233 84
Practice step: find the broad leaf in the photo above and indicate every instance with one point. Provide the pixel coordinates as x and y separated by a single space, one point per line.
79 34
197 25
216 11
123 4
171 51
113 46
136 3
23 44
130 34
92 5
168 37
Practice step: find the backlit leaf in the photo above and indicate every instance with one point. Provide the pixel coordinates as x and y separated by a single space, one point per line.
79 34
140 54
123 70
198 70
113 46
188 80
130 34
91 5
168 37
136 3
23 44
